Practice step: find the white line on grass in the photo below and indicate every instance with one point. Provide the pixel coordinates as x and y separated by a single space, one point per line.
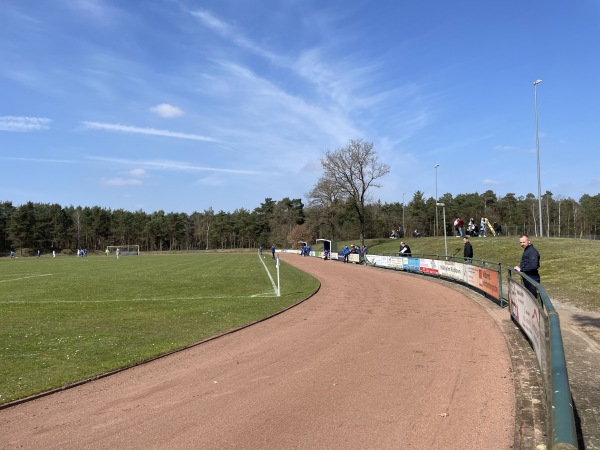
136 300
24 278
268 273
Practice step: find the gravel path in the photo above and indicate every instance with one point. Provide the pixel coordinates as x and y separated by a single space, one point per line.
373 360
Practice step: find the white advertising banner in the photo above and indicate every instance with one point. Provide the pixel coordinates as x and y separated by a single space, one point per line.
378 260
397 262
525 310
454 270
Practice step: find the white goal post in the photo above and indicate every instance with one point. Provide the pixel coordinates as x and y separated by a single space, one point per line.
124 250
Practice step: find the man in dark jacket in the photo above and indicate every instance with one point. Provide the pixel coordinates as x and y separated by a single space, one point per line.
530 263
468 252
404 250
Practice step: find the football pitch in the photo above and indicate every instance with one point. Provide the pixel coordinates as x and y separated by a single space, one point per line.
67 319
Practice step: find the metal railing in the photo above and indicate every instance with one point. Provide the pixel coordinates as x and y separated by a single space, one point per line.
466 262
548 345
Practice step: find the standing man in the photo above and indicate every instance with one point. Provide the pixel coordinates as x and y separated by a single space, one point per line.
273 250
118 252
468 251
530 263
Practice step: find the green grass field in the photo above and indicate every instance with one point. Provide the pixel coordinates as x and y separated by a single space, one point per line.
569 267
68 319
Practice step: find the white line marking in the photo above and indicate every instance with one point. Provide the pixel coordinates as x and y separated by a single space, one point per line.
24 278
135 300
268 273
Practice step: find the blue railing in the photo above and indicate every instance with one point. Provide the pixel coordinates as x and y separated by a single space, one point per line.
534 313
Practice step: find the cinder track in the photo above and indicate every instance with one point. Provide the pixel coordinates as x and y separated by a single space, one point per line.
373 360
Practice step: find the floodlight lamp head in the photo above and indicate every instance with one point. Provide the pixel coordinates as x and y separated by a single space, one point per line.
537 82
440 204
436 166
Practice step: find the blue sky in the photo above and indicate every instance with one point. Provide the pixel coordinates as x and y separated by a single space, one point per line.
181 105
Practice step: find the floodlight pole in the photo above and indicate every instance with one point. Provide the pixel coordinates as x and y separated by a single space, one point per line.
537 149
443 205
436 200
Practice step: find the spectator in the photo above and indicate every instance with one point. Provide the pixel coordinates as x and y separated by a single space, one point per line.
471 227
404 250
530 263
482 225
497 228
468 250
346 253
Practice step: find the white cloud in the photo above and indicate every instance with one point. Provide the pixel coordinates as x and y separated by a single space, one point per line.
167 111
151 131
489 182
138 173
24 124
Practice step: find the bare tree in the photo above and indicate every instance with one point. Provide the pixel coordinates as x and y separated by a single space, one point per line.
353 170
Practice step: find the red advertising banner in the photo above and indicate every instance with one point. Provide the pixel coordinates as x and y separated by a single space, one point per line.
483 279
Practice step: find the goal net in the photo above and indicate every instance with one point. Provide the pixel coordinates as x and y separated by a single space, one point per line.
124 250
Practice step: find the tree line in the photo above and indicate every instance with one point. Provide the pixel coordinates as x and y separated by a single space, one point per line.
340 208
32 226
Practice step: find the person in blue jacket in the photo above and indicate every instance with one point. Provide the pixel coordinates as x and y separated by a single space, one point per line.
530 263
346 253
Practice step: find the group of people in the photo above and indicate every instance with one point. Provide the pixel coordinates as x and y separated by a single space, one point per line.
476 230
305 250
353 249
260 250
398 233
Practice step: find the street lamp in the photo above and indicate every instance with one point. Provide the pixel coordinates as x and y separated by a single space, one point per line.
403 226
537 149
436 199
443 205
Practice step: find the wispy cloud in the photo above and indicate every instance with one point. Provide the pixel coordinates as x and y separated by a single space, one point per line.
231 33
167 111
40 160
151 131
173 166
24 124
